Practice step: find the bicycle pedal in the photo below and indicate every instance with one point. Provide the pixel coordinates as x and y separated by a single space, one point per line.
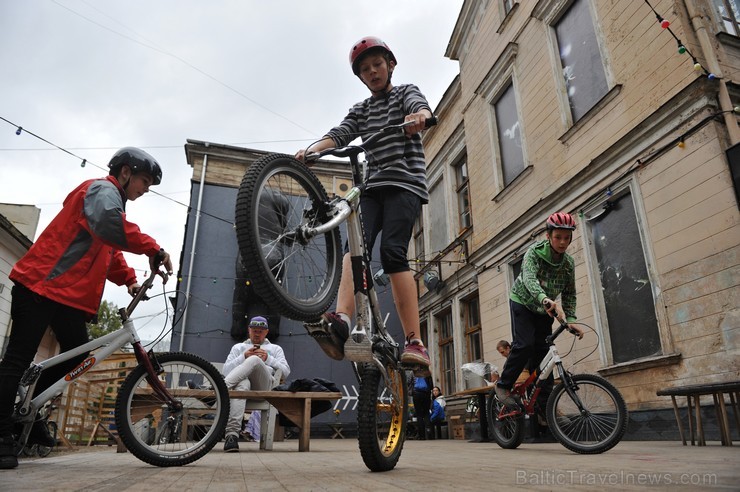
419 370
360 350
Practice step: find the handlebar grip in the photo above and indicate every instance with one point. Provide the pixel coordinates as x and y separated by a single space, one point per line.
159 257
429 122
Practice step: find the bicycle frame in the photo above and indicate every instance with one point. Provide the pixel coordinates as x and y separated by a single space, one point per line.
26 409
550 363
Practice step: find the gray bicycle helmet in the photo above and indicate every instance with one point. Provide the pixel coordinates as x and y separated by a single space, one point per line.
139 162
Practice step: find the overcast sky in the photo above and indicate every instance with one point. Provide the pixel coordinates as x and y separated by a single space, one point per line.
92 76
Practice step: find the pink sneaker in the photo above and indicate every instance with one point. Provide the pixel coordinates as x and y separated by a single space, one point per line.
416 357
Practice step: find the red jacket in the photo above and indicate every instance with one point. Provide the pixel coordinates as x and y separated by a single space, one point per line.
81 248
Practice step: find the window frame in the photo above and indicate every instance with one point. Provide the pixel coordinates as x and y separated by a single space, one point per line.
448 375
591 210
498 80
550 12
722 21
460 188
470 330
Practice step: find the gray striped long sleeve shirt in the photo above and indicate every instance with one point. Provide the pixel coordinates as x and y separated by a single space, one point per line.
396 160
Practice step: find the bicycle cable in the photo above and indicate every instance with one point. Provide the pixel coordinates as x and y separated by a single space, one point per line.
574 342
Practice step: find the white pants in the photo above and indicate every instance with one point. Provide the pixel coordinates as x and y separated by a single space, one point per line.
254 374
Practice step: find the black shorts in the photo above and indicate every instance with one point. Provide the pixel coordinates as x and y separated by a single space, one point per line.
393 211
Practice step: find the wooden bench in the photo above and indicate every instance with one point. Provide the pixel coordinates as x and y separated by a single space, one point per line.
696 391
295 406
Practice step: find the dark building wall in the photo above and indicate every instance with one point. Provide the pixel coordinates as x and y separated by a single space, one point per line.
209 304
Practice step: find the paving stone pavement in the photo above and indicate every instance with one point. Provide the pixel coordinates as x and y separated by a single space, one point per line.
336 465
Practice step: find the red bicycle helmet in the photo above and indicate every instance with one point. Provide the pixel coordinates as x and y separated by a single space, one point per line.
362 46
561 220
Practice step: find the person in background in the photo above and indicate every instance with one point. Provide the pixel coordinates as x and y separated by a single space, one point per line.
59 282
422 397
250 365
437 417
504 348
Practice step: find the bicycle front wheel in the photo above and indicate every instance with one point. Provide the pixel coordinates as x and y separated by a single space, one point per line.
43 451
587 414
505 425
382 416
295 275
142 415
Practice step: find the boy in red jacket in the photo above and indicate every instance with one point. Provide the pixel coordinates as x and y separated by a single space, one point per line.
59 282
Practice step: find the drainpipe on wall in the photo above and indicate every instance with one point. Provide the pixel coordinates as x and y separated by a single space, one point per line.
192 248
705 42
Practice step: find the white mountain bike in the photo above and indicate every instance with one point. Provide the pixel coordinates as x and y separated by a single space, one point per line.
164 392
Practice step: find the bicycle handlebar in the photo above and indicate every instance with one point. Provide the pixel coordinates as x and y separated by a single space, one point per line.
353 150
563 326
145 286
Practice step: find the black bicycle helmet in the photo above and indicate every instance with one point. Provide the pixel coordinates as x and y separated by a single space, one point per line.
139 162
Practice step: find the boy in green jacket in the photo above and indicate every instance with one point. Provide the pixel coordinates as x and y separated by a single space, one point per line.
547 271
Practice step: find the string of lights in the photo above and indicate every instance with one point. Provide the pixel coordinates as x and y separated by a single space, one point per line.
682 49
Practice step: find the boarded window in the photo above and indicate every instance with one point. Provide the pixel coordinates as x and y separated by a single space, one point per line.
625 285
583 69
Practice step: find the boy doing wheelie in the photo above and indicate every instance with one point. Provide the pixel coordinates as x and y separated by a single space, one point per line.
396 190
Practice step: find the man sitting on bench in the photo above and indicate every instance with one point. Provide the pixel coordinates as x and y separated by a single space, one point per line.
250 366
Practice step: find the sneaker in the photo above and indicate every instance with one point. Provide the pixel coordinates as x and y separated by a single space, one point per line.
8 458
40 435
232 444
416 357
504 396
330 332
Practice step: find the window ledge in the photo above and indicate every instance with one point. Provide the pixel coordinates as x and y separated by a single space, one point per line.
501 194
640 364
728 39
507 18
608 97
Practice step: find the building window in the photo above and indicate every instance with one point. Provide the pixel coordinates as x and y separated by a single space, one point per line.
463 193
446 351
438 236
508 5
509 135
580 58
626 289
471 321
729 13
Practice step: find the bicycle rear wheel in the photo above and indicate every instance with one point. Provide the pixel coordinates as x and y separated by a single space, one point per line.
142 415
587 414
297 276
507 427
382 416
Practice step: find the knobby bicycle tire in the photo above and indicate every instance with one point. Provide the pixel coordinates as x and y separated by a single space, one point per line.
381 416
596 428
296 276
508 432
44 451
141 413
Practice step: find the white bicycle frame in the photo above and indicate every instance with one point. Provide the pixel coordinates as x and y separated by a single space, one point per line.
111 342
